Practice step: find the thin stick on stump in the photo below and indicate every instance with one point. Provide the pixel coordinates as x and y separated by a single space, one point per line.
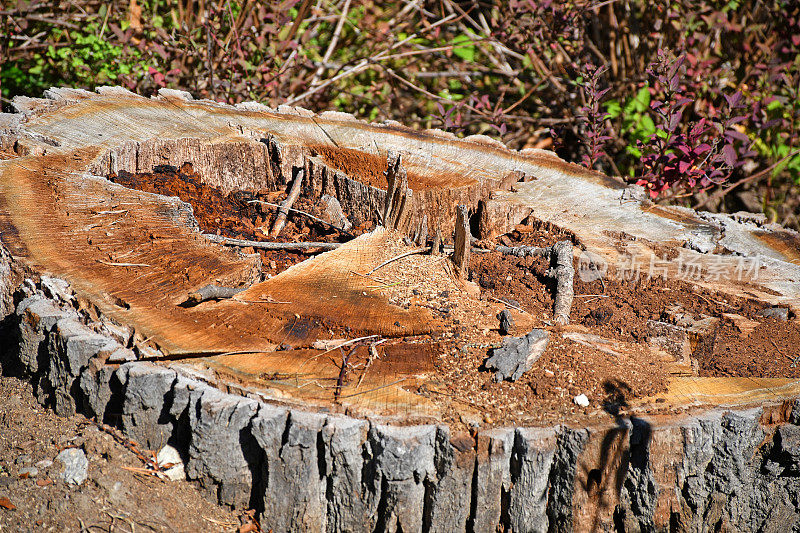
563 272
283 211
293 246
463 247
395 258
397 205
305 213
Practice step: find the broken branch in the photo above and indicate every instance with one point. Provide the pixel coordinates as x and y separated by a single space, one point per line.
563 272
283 211
297 246
298 211
211 292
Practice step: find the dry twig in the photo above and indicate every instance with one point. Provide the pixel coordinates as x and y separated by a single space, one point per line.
296 246
283 211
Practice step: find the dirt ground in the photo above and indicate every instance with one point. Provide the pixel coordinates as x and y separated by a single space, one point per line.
116 496
605 352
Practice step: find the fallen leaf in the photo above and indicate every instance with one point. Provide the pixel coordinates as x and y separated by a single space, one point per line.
248 528
5 503
44 482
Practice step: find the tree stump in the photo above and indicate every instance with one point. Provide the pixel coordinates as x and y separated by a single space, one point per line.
330 372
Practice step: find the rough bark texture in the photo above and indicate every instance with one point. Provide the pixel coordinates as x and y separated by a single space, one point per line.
305 471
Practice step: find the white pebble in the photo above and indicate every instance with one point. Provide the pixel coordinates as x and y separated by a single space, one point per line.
581 400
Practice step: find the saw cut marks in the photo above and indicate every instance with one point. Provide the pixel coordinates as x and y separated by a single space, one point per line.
333 288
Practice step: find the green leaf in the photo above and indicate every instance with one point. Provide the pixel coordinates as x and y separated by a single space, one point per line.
632 150
526 62
646 126
773 105
613 108
467 53
642 100
779 167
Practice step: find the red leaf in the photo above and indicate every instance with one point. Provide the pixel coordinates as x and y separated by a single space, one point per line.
700 149
683 166
729 154
739 136
5 503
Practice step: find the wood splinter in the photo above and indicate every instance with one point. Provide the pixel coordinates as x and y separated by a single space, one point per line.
283 211
333 209
397 204
463 246
437 242
563 272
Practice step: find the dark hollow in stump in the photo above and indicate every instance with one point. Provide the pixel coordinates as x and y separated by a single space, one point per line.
517 355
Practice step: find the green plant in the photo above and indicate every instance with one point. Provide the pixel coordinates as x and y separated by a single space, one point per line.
637 126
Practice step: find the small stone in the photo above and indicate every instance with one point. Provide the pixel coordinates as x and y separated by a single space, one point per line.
44 463
169 459
517 355
28 471
581 400
781 313
76 466
506 322
23 459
